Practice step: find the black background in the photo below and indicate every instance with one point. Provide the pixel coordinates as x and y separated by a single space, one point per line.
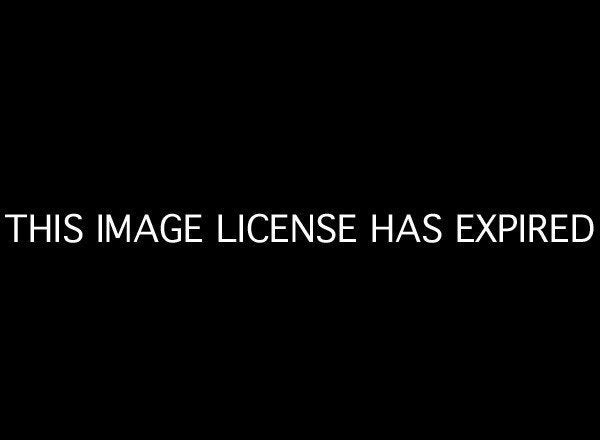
386 112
